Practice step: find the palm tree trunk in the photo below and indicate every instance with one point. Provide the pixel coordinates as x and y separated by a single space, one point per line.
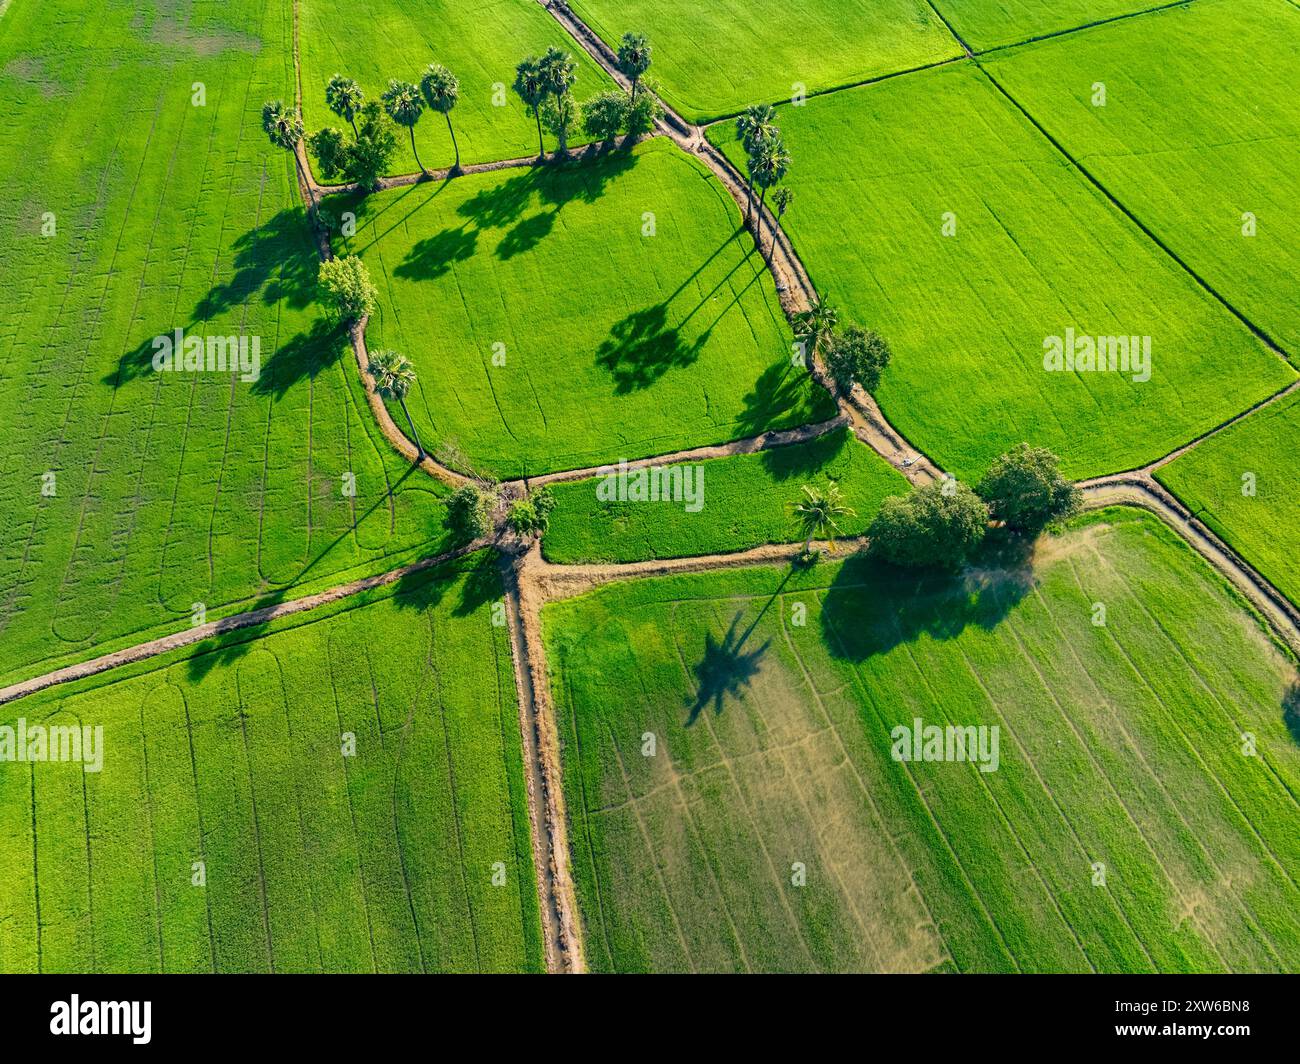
416 153
807 546
749 201
541 146
771 248
353 123
447 115
758 223
414 435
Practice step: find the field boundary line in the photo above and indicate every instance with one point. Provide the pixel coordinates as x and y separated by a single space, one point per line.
1259 333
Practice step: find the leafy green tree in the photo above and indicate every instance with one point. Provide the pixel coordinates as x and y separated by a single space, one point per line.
937 526
633 58
469 511
348 288
1026 491
781 201
857 356
363 160
560 116
819 514
642 114
754 125
394 375
603 116
344 97
331 150
404 105
441 91
531 87
815 329
531 516
283 127
769 162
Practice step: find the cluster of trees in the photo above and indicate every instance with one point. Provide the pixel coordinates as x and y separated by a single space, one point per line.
365 156
942 524
471 510
767 162
853 355
545 85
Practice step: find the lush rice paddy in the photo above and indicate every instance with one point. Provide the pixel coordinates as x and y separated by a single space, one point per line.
929 208
741 501
1123 829
565 318
349 788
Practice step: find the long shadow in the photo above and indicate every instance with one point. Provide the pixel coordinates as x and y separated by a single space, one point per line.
642 347
725 669
1291 711
276 259
304 357
803 460
433 256
224 648
872 607
780 389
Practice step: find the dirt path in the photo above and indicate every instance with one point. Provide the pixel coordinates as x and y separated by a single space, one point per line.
234 622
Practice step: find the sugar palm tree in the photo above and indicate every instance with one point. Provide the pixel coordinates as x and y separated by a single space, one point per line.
404 105
753 126
344 97
394 375
441 90
768 164
530 85
815 327
781 201
819 513
559 72
633 58
283 125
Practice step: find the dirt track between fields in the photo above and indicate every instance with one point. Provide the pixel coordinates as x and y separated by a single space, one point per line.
530 581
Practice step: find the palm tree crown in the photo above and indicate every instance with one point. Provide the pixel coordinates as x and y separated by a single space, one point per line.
559 71
282 124
344 97
394 375
819 513
633 57
440 88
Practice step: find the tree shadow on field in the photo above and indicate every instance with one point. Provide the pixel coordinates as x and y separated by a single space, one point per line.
1291 710
807 459
642 347
276 259
780 391
480 583
872 607
303 358
433 256
726 669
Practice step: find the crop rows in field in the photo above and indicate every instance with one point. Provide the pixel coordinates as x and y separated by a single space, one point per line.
773 748
313 859
164 490
741 501
565 318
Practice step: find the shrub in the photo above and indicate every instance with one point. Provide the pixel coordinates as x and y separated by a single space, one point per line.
364 160
349 291
532 516
469 511
605 115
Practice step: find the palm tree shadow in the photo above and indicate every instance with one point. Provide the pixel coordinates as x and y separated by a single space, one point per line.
304 357
780 390
433 256
807 459
642 347
725 669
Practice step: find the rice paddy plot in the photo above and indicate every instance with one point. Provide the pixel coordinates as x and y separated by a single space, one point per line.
133 499
341 792
480 43
1242 484
715 59
562 318
930 209
724 504
1188 118
746 791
